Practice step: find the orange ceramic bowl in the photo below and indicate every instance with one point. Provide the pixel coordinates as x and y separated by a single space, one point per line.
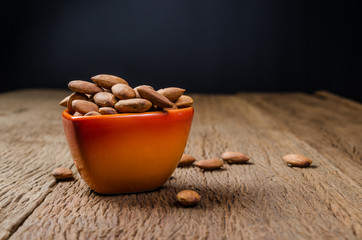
126 153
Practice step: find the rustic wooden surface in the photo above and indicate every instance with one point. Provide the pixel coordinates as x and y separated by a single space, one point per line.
264 199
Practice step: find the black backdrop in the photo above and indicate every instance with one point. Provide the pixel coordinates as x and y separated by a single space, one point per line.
203 46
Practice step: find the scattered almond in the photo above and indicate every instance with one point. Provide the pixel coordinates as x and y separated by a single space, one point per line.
154 97
84 107
84 87
188 198
107 81
123 91
210 164
105 99
107 111
184 101
172 93
234 157
296 160
62 173
186 160
133 105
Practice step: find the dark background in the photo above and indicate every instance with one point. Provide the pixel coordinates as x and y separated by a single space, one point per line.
203 46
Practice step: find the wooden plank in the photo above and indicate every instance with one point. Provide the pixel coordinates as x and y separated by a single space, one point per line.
263 199
31 145
329 126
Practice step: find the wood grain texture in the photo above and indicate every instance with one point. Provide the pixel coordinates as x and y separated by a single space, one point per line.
31 145
332 128
337 100
264 199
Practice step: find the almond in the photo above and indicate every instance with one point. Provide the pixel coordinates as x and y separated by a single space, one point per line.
107 90
72 97
188 198
84 87
123 91
143 86
234 157
157 108
133 105
186 160
105 99
184 101
107 111
210 164
64 102
90 97
77 114
172 93
92 113
296 160
83 106
154 97
171 108
135 90
107 81
62 173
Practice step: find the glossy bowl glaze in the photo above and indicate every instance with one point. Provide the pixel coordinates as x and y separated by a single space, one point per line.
126 153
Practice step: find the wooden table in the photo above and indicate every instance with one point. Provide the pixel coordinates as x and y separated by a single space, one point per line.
264 199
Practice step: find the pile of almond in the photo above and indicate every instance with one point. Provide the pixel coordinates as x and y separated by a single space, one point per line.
109 94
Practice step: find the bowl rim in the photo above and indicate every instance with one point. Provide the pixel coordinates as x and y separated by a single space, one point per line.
68 116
